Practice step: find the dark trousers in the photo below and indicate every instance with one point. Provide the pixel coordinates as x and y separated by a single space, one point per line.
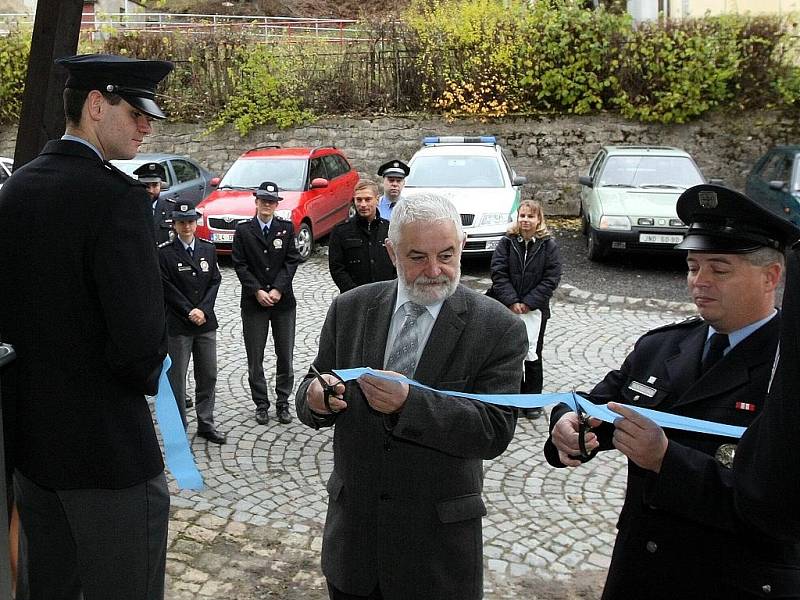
533 379
340 595
93 544
255 329
202 349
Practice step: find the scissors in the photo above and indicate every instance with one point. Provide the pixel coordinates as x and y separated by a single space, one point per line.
328 389
583 428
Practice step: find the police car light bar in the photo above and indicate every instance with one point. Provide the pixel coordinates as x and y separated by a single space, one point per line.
459 139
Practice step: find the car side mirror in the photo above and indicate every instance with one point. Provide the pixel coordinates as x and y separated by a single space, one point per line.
585 180
164 186
214 181
519 180
716 181
319 182
777 184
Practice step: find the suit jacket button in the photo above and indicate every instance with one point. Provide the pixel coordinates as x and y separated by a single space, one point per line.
651 547
767 588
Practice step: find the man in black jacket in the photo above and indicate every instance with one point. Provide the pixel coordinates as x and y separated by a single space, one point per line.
191 281
154 176
265 258
679 536
357 248
85 312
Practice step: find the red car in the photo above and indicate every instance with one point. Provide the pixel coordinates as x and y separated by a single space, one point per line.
316 185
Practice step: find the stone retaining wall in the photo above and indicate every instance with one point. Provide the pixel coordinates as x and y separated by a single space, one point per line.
550 152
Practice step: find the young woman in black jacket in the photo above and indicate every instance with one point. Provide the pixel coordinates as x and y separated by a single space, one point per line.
526 269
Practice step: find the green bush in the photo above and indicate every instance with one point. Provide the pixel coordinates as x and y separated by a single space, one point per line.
265 94
14 50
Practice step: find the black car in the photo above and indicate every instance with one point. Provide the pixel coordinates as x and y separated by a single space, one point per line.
774 181
187 181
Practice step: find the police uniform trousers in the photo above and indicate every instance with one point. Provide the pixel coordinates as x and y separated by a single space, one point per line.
202 348
255 330
93 544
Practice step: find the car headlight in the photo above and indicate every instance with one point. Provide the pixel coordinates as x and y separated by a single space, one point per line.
607 222
494 219
284 213
200 222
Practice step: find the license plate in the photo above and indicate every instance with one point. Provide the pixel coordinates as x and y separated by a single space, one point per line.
659 238
222 238
492 245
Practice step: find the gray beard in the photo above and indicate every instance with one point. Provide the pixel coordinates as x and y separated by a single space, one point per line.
424 294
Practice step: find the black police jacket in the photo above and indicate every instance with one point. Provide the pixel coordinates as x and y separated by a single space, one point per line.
189 283
678 533
85 313
265 263
162 219
526 273
357 253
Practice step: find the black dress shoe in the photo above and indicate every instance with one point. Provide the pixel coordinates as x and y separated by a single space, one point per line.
213 436
283 414
262 418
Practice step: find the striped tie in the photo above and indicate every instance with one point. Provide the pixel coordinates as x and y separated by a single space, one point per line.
403 357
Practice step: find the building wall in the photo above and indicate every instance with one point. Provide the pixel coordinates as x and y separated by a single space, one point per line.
549 152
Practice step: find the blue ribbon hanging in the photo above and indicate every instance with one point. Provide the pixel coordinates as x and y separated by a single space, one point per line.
599 411
177 453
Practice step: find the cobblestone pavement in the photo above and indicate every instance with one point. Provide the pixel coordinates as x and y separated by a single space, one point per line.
255 531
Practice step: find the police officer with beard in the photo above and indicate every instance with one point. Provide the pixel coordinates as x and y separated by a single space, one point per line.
357 248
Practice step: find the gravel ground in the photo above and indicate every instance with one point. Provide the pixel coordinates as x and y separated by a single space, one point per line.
635 275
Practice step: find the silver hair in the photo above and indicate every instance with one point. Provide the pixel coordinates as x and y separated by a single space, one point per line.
425 207
764 257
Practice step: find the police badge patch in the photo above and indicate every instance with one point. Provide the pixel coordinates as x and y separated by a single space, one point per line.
204 265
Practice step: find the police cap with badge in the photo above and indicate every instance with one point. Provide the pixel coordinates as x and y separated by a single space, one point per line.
394 168
268 191
724 221
133 80
185 212
151 172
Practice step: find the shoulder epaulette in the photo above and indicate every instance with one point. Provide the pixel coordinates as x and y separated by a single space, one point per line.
281 219
163 244
692 321
205 240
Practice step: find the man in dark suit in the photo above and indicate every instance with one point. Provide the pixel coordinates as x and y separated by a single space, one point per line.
357 248
86 316
154 177
191 281
265 258
405 506
679 536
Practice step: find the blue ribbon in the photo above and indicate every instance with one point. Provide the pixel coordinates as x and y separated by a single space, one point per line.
599 411
177 453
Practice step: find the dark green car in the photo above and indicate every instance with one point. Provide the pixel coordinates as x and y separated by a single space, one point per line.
774 182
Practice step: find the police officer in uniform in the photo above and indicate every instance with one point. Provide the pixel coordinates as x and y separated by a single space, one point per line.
154 177
356 250
86 316
265 258
678 535
394 175
191 281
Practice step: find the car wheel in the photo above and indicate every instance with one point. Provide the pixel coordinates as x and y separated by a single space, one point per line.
595 249
304 241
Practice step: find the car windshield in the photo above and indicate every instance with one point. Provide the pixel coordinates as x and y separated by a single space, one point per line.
287 173
666 172
455 172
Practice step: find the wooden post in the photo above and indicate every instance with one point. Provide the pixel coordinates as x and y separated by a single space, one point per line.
6 356
55 34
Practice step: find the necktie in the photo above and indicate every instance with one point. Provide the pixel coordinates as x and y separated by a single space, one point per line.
190 250
403 357
716 347
266 231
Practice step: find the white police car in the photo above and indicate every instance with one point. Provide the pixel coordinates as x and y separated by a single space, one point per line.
473 173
